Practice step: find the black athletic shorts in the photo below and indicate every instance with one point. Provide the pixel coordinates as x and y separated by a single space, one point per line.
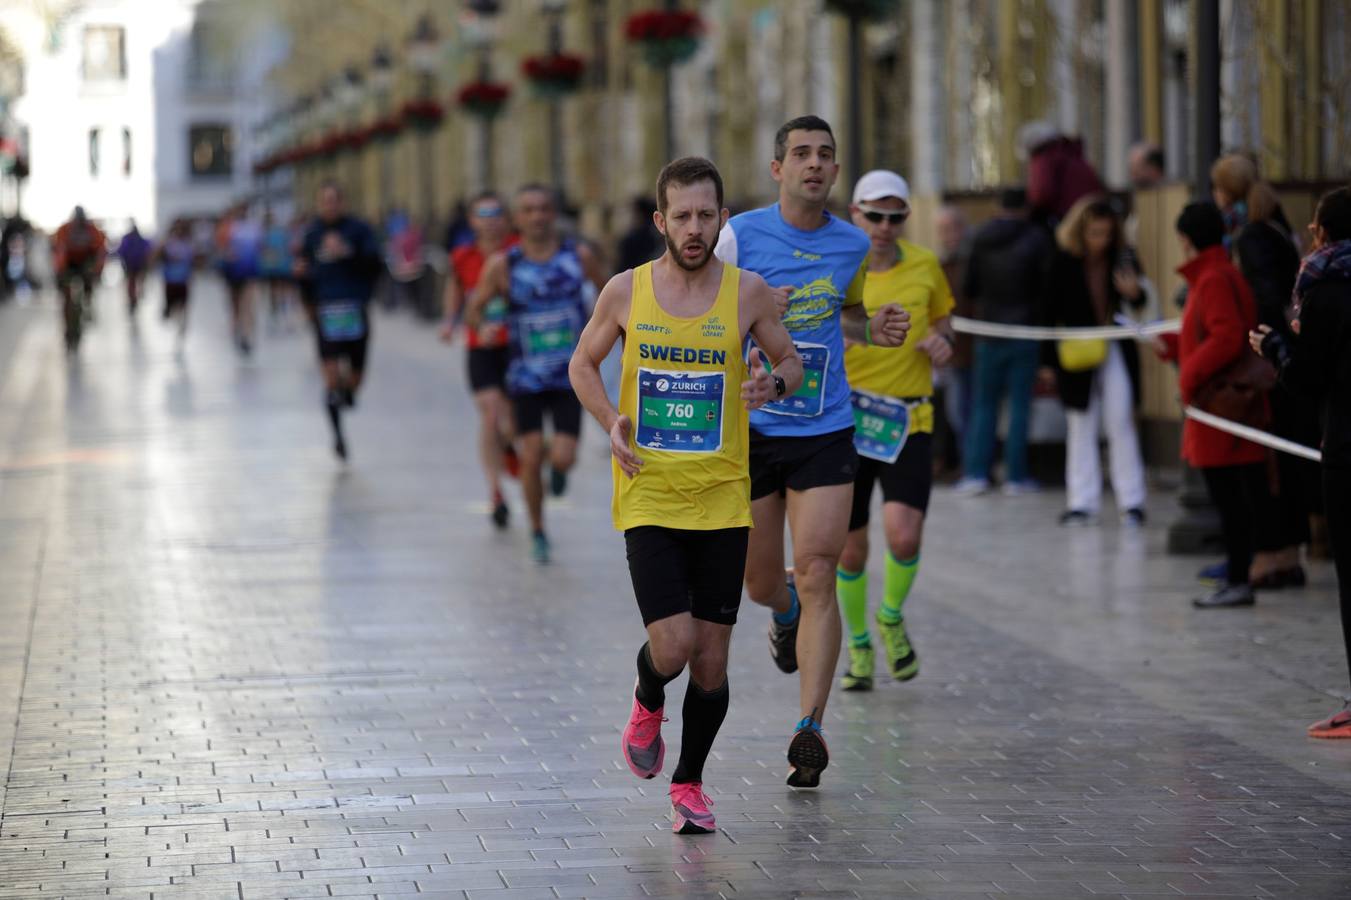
563 407
175 296
779 464
908 480
675 570
352 351
488 368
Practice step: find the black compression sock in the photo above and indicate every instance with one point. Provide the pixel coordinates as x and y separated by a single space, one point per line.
651 692
703 714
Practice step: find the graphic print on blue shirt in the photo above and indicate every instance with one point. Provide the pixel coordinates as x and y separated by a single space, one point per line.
822 267
546 312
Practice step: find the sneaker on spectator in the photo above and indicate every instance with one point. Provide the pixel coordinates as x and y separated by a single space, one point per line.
971 487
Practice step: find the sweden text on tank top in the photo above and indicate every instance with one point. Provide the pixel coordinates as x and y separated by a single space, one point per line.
681 387
546 311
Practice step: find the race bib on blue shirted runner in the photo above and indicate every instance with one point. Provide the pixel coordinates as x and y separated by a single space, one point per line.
680 411
809 399
881 425
342 320
547 336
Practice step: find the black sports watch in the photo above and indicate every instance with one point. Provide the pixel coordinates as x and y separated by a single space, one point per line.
780 386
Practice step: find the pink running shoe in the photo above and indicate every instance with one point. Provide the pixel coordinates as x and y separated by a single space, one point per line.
644 750
1337 725
691 809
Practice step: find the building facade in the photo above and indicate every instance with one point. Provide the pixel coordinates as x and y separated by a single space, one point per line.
133 110
943 89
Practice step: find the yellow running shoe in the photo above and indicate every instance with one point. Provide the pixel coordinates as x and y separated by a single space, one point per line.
901 658
859 675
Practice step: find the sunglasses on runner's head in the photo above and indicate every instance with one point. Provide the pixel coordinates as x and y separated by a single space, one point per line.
488 212
877 215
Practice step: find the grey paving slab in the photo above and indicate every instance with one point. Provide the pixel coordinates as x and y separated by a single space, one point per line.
233 668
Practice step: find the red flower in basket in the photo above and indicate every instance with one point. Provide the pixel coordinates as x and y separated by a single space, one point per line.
558 73
667 37
484 98
423 114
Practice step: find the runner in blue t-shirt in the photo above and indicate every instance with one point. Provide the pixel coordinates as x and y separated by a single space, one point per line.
802 447
544 279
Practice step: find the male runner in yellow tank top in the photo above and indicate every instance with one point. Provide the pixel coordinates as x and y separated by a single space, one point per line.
680 440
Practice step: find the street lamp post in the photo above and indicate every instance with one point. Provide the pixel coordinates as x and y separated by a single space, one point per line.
381 82
553 9
349 93
424 55
479 35
668 97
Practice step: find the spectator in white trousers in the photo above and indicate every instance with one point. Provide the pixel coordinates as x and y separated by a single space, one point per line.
1093 277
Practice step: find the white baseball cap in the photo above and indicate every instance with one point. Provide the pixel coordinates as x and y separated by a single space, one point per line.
879 184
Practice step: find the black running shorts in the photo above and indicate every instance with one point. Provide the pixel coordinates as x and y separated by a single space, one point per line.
908 480
352 351
563 407
780 464
488 368
675 570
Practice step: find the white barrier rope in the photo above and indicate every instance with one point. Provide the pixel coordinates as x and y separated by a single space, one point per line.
1050 333
1254 435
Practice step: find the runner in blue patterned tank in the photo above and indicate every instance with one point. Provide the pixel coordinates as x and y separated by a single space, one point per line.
802 454
340 258
544 279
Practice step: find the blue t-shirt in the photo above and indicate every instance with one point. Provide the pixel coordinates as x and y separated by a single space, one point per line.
546 311
825 268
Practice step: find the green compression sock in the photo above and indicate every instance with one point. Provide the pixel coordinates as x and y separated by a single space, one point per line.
852 588
900 577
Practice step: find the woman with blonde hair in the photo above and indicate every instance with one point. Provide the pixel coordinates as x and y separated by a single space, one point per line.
1092 278
1262 242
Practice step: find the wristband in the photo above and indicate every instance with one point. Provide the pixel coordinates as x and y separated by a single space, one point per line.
949 338
868 332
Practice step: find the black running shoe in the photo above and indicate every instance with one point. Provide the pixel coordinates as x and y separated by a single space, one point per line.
340 448
783 644
501 514
558 482
807 754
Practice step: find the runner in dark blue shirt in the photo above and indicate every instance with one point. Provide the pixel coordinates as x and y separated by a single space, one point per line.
340 258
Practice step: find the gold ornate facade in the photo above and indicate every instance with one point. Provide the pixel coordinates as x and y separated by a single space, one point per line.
945 87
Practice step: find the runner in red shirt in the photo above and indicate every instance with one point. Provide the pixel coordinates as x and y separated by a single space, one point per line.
488 354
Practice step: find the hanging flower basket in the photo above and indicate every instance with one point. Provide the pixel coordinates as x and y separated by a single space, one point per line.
329 145
863 9
423 115
484 99
354 139
556 75
386 128
666 37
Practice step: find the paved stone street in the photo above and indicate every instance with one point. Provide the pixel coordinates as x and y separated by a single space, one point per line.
233 668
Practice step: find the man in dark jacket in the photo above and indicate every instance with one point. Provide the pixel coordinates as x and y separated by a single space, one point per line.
1004 280
340 257
1057 173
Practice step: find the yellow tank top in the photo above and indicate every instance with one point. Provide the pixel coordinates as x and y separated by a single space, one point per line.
681 388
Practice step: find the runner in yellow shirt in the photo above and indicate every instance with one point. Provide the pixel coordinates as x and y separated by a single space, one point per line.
680 438
893 424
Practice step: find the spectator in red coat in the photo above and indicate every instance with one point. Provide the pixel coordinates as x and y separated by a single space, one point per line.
1057 173
1220 312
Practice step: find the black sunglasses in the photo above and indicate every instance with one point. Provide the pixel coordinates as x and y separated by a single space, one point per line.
876 218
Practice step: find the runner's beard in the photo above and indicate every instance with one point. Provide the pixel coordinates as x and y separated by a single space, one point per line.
677 253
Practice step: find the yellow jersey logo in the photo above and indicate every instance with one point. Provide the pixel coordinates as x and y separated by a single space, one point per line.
812 304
